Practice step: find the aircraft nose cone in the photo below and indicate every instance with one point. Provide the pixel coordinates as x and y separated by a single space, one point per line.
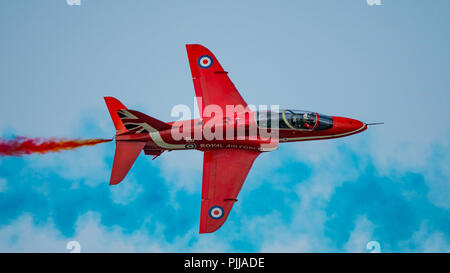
347 125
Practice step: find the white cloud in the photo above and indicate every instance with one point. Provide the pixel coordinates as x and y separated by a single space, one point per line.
23 236
304 234
126 191
360 235
182 170
87 163
426 240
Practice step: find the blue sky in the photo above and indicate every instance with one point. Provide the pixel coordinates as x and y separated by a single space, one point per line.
375 63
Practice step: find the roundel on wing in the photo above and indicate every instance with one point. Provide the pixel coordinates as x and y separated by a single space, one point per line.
216 212
205 61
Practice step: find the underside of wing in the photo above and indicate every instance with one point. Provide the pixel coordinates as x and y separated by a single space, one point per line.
212 84
224 173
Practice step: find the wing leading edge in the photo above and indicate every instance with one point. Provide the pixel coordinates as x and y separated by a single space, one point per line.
224 173
211 83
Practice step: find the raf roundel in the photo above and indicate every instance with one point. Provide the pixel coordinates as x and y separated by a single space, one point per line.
190 146
205 61
216 212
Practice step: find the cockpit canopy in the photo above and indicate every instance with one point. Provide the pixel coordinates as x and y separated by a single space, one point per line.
294 120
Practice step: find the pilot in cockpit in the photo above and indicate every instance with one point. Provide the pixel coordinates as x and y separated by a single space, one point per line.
296 120
308 121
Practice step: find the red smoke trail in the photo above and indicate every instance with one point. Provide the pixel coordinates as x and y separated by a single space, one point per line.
24 146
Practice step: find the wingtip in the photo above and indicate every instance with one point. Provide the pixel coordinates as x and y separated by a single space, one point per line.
114 182
204 230
115 179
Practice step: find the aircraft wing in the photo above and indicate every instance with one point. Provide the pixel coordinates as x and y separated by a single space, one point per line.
224 173
211 82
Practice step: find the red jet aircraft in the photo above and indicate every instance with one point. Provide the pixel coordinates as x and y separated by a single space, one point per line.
231 145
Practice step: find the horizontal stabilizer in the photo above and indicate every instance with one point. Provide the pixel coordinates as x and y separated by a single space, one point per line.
124 157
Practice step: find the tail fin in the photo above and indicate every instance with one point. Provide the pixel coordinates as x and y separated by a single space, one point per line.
114 105
126 152
126 120
129 122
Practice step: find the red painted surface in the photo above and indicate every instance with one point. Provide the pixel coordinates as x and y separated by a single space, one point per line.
227 161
